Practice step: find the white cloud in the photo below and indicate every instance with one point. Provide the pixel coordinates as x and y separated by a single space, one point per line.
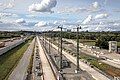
101 16
101 22
41 24
1 4
71 10
20 21
52 23
15 15
59 22
116 24
44 6
3 14
103 27
56 29
8 5
79 21
55 22
31 16
95 5
11 27
87 20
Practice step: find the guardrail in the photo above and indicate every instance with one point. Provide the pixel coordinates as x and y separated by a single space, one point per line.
7 48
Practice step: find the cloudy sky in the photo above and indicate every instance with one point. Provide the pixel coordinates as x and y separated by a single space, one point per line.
39 15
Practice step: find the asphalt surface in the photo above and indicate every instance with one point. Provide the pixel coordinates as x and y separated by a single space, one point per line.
9 43
20 72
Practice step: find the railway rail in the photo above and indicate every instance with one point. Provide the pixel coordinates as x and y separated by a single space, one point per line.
48 73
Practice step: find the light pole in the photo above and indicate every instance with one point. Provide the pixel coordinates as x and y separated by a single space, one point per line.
77 69
61 35
58 41
42 38
60 48
45 40
49 41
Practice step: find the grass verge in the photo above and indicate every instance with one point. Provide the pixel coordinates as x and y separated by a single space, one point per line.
30 66
10 59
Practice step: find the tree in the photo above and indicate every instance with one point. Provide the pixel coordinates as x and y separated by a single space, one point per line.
102 43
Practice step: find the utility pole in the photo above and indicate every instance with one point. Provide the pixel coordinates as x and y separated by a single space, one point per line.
45 40
60 48
77 69
61 72
61 35
49 42
58 41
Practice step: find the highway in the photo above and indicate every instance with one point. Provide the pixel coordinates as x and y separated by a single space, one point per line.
95 74
11 44
20 71
48 73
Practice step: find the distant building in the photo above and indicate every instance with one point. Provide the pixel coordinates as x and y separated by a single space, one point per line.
112 46
68 30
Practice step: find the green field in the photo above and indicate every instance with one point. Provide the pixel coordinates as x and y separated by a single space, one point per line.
118 44
92 42
9 60
5 37
87 42
100 65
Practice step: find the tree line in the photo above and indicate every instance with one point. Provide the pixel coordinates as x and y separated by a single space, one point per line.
101 38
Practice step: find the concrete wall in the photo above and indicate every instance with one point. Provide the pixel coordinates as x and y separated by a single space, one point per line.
7 48
112 46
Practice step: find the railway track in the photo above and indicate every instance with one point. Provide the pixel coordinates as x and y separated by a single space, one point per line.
48 71
95 74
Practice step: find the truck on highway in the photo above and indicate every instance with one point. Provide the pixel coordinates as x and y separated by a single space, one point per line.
2 44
